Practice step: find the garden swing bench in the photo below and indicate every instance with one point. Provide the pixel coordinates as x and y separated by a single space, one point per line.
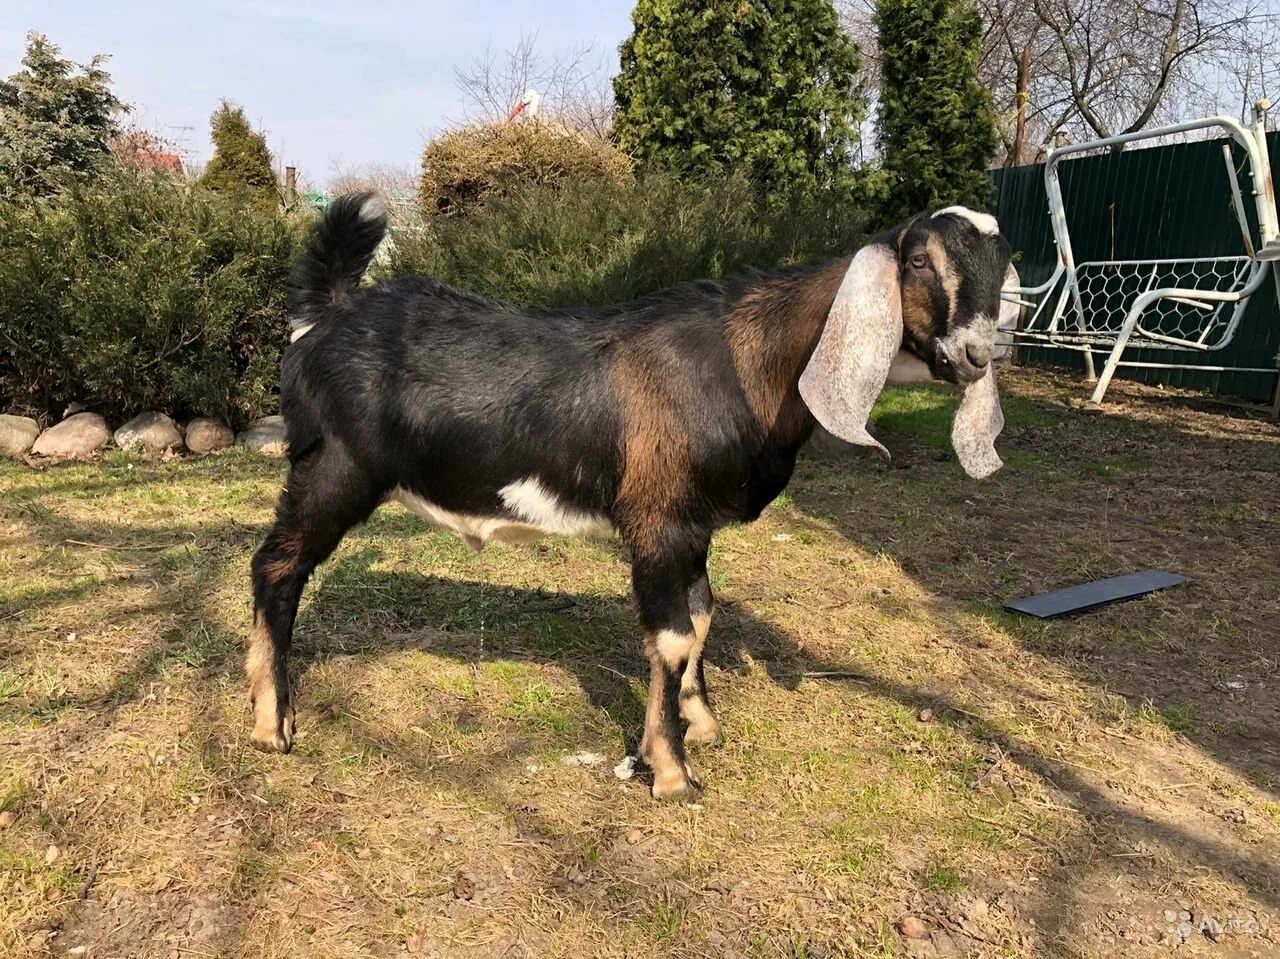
1188 305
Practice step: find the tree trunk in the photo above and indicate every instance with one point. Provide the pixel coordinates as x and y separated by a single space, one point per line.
1023 82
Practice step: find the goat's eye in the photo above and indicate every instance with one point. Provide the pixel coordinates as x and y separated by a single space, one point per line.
918 261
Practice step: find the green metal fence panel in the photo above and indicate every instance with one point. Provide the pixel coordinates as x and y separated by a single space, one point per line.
1169 201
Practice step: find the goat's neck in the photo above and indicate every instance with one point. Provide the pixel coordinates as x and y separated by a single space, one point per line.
772 330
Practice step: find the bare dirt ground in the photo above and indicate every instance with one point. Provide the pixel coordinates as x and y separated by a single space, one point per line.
961 782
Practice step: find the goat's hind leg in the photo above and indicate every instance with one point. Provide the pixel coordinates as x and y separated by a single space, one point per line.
323 498
695 704
277 588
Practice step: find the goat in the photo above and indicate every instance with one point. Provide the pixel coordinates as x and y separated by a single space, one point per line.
663 419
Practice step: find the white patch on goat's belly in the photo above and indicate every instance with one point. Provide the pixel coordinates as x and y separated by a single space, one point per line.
536 512
985 222
539 507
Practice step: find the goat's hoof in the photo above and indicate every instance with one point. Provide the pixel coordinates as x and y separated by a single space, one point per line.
677 787
704 735
277 743
274 736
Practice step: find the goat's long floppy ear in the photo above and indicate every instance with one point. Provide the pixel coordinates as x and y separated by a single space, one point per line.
862 334
978 419
977 423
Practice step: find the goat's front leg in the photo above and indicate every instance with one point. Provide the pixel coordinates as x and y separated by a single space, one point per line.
669 639
695 705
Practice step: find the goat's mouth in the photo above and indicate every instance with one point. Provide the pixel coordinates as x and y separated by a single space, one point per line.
964 355
957 365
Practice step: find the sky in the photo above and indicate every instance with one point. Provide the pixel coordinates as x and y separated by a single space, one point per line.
335 84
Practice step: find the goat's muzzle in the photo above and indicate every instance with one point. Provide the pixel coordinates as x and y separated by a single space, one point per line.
964 355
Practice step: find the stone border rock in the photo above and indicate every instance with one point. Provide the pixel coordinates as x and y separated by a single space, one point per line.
79 435
266 436
151 433
83 434
17 435
208 436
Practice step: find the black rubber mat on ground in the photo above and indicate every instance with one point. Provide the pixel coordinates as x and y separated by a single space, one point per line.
1076 599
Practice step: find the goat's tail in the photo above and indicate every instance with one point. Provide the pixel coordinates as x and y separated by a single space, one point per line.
338 251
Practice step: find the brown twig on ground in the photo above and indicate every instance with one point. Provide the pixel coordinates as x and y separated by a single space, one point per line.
89 877
78 542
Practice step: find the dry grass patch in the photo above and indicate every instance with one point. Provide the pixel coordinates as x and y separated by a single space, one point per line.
897 745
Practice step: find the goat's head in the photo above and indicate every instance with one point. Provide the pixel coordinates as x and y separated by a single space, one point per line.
917 302
951 266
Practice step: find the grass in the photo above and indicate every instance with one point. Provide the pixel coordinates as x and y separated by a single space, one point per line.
1014 783
1176 719
942 878
661 923
10 686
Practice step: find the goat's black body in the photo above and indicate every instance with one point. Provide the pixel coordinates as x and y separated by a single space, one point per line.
452 397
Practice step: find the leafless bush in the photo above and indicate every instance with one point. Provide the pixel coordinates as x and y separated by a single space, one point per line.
138 148
574 85
396 184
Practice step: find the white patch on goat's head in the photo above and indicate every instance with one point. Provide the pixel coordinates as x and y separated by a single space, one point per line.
300 331
985 222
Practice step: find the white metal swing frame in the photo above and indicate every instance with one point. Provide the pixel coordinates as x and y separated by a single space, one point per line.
1160 294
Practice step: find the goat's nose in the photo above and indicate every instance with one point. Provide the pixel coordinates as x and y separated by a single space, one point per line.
979 354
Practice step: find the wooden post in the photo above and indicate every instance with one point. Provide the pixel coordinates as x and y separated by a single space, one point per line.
290 187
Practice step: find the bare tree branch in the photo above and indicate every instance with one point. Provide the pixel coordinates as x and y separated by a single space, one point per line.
574 85
1089 68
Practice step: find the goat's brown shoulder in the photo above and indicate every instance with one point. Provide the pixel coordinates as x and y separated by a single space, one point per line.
771 332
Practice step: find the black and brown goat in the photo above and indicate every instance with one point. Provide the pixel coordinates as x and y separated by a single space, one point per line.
663 419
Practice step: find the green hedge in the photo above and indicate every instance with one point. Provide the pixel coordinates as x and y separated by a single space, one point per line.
142 293
594 243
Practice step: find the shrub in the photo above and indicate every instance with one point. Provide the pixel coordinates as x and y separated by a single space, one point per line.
241 162
142 293
465 168
770 90
55 119
937 127
601 242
